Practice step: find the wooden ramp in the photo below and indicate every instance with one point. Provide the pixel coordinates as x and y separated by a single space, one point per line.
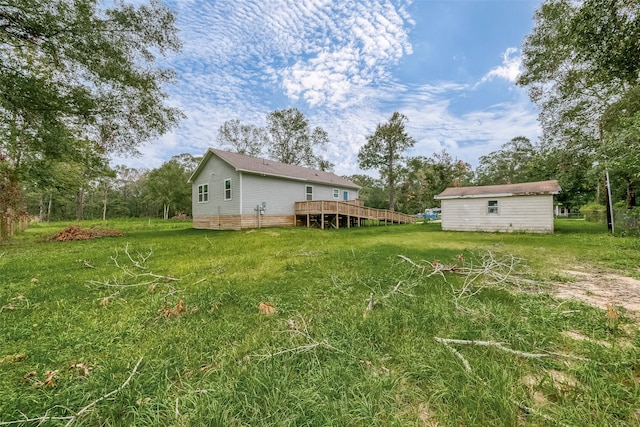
352 213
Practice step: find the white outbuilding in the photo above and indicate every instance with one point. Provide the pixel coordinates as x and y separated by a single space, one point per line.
510 207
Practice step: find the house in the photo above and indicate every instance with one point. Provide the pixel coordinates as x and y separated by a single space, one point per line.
232 191
510 207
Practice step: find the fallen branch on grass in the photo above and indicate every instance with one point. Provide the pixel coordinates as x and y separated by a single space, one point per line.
495 344
484 270
396 290
500 346
135 274
448 341
456 353
139 264
435 266
312 343
79 414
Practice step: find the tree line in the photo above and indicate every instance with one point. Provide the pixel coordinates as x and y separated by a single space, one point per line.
81 80
405 183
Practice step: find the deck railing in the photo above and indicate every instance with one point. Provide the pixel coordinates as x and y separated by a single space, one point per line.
350 208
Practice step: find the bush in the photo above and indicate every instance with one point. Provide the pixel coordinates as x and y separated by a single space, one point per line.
594 212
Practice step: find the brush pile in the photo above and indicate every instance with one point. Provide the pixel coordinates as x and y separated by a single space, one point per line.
75 232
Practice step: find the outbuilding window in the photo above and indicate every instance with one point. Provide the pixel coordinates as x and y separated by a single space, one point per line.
203 193
492 207
227 189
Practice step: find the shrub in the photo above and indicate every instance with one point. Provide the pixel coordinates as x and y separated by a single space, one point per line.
594 212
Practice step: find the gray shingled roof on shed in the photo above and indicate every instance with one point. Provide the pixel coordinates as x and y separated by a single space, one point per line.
244 163
523 189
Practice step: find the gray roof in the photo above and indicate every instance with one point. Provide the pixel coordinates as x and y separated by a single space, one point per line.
523 189
255 165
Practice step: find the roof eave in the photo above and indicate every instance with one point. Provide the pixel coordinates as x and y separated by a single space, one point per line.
489 195
204 160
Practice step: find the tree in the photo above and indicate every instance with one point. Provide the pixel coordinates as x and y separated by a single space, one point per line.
167 185
384 150
581 58
75 74
514 162
241 138
620 152
424 177
372 190
289 139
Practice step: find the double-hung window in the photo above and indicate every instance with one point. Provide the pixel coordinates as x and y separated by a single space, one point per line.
227 189
492 207
336 193
309 192
203 193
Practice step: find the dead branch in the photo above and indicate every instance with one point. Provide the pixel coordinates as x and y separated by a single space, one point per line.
134 273
459 355
435 266
370 305
40 420
495 344
396 290
481 271
141 258
294 329
84 410
79 414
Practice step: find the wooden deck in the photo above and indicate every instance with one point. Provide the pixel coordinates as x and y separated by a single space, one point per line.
336 214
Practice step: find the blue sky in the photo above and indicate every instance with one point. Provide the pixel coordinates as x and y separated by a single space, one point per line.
448 65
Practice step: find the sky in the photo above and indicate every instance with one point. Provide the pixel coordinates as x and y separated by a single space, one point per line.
448 65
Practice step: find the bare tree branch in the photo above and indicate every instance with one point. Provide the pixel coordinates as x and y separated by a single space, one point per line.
82 412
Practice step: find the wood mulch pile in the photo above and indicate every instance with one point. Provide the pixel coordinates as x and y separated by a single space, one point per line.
75 232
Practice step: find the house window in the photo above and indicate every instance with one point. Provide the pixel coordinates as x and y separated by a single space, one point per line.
227 189
492 207
309 191
336 193
203 193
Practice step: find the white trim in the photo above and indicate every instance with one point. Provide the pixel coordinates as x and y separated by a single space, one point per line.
224 189
336 193
493 210
306 194
203 192
240 188
492 195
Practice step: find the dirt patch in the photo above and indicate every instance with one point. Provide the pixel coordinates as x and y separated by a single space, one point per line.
599 289
75 232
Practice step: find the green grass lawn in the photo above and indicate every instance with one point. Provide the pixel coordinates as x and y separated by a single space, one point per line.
351 341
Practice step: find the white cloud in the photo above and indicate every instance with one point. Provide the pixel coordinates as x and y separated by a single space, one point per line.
334 60
510 68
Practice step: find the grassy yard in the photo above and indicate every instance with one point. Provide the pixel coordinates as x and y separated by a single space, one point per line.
164 326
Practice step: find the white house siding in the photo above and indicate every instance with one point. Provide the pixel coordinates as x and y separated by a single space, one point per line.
217 213
249 190
279 194
515 213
